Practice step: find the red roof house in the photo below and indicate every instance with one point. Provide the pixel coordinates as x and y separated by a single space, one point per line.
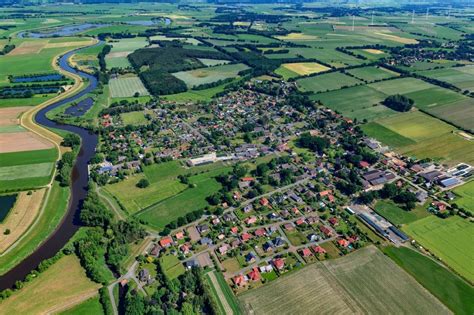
179 235
250 220
260 232
342 242
333 221
318 250
254 275
305 252
278 263
166 241
264 202
240 280
245 237
234 229
325 230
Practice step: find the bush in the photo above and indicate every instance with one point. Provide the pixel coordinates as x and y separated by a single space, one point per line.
399 103
143 183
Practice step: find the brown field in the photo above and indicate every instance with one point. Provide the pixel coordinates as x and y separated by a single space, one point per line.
297 36
303 68
21 217
364 28
397 39
373 51
67 44
22 141
29 47
9 115
62 286
364 282
118 54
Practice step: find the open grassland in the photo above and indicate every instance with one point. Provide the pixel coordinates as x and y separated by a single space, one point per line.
397 215
50 216
133 118
127 87
326 82
289 70
454 292
432 138
28 157
462 77
363 282
466 196
210 74
60 287
90 307
21 217
449 239
370 74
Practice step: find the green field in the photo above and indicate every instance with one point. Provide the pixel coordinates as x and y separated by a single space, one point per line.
28 157
25 176
134 118
449 239
127 87
400 86
200 76
363 282
432 138
222 293
326 82
462 77
397 215
171 266
370 74
454 292
466 196
88 307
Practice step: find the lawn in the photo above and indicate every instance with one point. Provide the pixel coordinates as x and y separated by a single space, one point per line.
126 87
200 76
326 82
370 74
363 282
134 118
296 238
454 292
63 285
397 215
89 307
171 266
449 239
466 196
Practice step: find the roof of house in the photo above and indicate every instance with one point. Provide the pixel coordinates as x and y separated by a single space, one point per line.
254 275
240 280
165 241
278 263
318 249
306 252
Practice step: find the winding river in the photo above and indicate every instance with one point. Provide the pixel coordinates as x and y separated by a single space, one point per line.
70 223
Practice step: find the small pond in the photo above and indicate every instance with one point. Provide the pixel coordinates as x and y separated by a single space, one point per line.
67 30
6 204
80 108
34 90
38 78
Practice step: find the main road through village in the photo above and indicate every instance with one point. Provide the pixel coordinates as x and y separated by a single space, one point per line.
70 223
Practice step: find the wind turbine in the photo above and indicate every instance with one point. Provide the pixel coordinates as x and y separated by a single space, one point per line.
353 18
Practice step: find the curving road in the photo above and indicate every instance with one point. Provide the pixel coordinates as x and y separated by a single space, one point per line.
70 223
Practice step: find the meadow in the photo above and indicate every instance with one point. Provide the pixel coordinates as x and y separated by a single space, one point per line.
63 285
462 77
127 87
370 74
326 82
91 306
23 158
454 292
397 215
363 282
466 196
133 118
449 239
200 76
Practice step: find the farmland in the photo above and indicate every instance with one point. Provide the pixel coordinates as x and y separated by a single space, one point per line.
364 282
462 77
448 239
454 292
126 87
370 74
326 82
197 77
396 215
466 196
289 70
62 286
222 293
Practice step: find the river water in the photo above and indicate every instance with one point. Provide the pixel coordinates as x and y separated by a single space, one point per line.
70 223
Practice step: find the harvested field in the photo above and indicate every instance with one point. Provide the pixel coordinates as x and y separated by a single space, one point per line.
396 38
118 54
9 115
304 68
297 37
374 51
61 287
67 44
21 217
29 47
22 141
363 282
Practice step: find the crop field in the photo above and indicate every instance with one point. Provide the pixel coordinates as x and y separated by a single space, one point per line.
433 138
208 75
363 282
370 74
326 82
20 217
126 87
397 215
25 176
450 239
466 196
117 58
289 70
400 86
22 141
450 289
462 77
459 113
28 157
60 287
